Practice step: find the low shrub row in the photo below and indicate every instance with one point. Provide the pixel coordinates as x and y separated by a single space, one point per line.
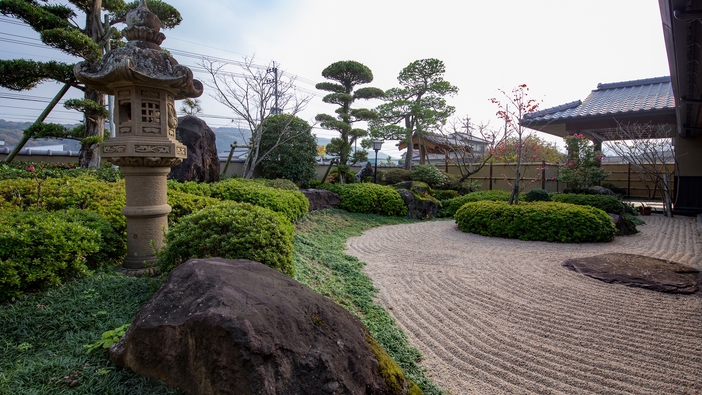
430 174
368 198
542 221
606 203
450 206
292 204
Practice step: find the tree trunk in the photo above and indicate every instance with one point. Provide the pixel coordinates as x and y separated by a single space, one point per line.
410 145
89 155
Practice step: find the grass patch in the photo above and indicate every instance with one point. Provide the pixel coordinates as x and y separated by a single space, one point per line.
320 263
43 336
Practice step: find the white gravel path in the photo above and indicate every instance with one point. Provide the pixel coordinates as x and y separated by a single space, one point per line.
498 316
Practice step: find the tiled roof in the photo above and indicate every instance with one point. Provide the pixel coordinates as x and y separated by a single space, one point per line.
611 99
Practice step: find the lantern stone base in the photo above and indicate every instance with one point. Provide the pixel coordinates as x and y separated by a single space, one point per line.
147 214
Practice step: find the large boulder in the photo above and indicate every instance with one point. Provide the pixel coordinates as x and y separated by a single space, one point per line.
219 326
420 205
202 163
320 198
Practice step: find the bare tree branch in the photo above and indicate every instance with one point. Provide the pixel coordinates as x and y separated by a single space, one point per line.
251 94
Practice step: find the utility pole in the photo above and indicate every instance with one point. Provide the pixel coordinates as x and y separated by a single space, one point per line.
275 110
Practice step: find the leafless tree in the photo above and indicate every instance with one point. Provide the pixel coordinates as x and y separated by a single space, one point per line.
255 93
649 149
461 141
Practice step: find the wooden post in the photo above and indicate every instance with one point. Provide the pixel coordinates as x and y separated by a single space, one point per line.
490 177
543 175
628 179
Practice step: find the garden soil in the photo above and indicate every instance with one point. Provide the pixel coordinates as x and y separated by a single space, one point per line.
499 316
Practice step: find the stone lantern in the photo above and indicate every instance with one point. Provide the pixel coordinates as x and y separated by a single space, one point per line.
145 81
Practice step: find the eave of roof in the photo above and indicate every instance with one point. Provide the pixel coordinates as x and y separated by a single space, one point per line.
611 100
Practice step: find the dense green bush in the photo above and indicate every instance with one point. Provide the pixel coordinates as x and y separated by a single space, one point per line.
281 183
444 194
292 204
429 174
295 158
542 221
183 203
84 193
112 245
394 176
462 187
537 195
450 206
231 230
40 248
368 198
608 204
42 170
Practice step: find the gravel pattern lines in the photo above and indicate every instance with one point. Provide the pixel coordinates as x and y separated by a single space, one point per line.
501 316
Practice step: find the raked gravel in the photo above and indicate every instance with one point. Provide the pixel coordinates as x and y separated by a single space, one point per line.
499 316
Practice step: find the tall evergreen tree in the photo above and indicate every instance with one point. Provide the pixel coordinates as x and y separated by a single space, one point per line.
417 107
57 26
347 74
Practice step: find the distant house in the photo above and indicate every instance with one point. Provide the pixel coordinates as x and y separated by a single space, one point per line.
438 148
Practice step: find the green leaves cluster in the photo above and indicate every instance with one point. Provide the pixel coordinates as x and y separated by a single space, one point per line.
234 231
368 198
606 203
295 159
418 106
538 221
450 206
582 167
107 339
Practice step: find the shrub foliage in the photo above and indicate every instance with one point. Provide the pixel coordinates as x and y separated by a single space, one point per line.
450 206
368 198
606 203
231 230
542 221
537 195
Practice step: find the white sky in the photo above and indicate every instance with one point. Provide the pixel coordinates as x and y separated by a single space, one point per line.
560 48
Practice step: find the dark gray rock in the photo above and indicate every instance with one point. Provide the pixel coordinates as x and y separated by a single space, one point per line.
420 205
320 198
598 190
366 171
638 271
220 326
202 163
624 226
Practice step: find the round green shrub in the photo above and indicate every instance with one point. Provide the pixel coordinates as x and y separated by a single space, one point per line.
462 187
618 190
542 221
183 203
112 244
371 199
281 183
608 204
192 187
292 204
450 206
429 174
234 231
537 195
394 176
40 248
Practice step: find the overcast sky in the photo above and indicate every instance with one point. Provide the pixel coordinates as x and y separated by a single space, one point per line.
560 48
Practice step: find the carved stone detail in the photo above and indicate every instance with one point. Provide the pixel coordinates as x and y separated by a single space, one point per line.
124 93
156 149
172 120
181 151
114 149
153 94
150 130
125 130
145 161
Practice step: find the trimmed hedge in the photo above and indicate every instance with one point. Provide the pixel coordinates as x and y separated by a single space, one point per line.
450 206
234 231
292 204
430 175
368 198
183 203
537 195
40 248
608 204
539 221
394 176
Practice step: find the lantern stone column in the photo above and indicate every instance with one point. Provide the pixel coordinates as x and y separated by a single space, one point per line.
145 81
